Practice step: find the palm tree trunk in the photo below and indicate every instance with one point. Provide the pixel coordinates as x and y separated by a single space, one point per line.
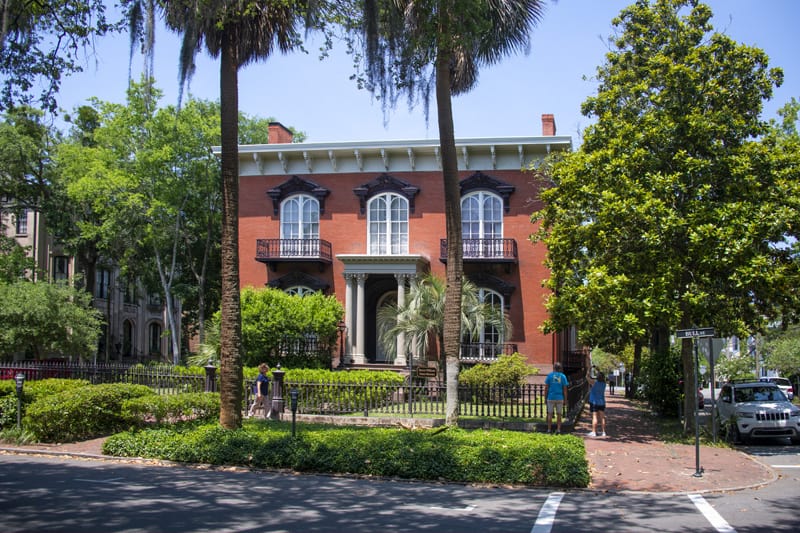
452 209
230 374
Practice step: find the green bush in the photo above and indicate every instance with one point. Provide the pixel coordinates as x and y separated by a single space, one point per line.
32 391
174 408
356 388
507 372
661 378
81 413
454 455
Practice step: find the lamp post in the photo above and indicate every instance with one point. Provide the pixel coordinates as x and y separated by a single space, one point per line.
19 379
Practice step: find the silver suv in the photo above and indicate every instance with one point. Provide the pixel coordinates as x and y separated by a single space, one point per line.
756 409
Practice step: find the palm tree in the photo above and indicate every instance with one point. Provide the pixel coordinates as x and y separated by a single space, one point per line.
421 317
414 46
238 32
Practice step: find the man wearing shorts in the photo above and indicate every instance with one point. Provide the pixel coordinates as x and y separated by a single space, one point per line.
555 392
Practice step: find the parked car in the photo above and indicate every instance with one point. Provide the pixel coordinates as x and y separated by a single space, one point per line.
757 409
784 384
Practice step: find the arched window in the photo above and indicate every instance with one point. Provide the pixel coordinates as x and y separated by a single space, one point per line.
299 226
299 290
491 334
127 338
387 222
482 224
155 339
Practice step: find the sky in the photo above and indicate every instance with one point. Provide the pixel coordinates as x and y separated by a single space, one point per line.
318 97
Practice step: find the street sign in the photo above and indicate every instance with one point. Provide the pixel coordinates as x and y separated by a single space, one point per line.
425 371
694 333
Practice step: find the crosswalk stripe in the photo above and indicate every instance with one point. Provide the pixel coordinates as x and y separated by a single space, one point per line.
711 514
547 514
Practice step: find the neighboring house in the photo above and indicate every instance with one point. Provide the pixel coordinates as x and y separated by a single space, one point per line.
138 320
361 220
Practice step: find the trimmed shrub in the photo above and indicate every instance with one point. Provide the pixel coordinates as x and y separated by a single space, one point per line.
175 408
31 392
81 413
454 455
498 381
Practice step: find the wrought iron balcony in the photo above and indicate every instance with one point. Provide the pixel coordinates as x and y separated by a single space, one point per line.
274 251
485 352
485 250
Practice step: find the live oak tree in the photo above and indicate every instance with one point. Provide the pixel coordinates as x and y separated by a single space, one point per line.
416 48
41 42
677 210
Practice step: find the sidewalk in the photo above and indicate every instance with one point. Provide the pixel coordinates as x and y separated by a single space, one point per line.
631 458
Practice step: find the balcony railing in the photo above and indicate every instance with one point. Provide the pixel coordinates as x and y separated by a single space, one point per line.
485 352
478 250
274 251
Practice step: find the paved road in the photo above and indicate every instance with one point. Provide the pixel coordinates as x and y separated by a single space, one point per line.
46 494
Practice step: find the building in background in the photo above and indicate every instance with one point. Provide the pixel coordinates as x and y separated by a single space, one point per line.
135 321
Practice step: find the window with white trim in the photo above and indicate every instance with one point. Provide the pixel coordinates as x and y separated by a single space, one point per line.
482 224
300 226
387 223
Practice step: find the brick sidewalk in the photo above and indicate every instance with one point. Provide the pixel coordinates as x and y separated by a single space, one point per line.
631 458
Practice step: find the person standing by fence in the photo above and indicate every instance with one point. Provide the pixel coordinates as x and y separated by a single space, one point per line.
555 392
261 390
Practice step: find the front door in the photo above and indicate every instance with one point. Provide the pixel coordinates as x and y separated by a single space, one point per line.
387 301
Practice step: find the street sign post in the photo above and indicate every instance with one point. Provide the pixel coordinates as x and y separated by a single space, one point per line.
694 334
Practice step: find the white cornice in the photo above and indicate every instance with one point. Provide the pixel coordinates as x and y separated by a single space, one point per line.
503 153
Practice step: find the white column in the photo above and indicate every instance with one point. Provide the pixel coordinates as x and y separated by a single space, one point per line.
400 357
348 315
360 316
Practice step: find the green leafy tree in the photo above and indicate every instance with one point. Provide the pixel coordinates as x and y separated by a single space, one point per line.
15 264
416 48
40 319
26 169
41 43
153 179
676 211
783 352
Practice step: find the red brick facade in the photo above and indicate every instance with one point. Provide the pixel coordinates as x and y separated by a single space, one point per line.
345 177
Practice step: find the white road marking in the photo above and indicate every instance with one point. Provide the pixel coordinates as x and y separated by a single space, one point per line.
785 466
467 508
711 514
547 514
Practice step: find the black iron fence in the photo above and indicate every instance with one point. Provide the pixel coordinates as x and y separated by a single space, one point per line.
427 398
422 397
164 378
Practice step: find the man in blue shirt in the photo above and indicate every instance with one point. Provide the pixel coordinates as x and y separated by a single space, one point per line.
555 392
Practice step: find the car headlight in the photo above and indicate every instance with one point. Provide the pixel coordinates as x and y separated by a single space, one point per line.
745 414
795 414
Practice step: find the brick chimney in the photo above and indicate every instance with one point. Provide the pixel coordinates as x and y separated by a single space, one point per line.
279 134
548 125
